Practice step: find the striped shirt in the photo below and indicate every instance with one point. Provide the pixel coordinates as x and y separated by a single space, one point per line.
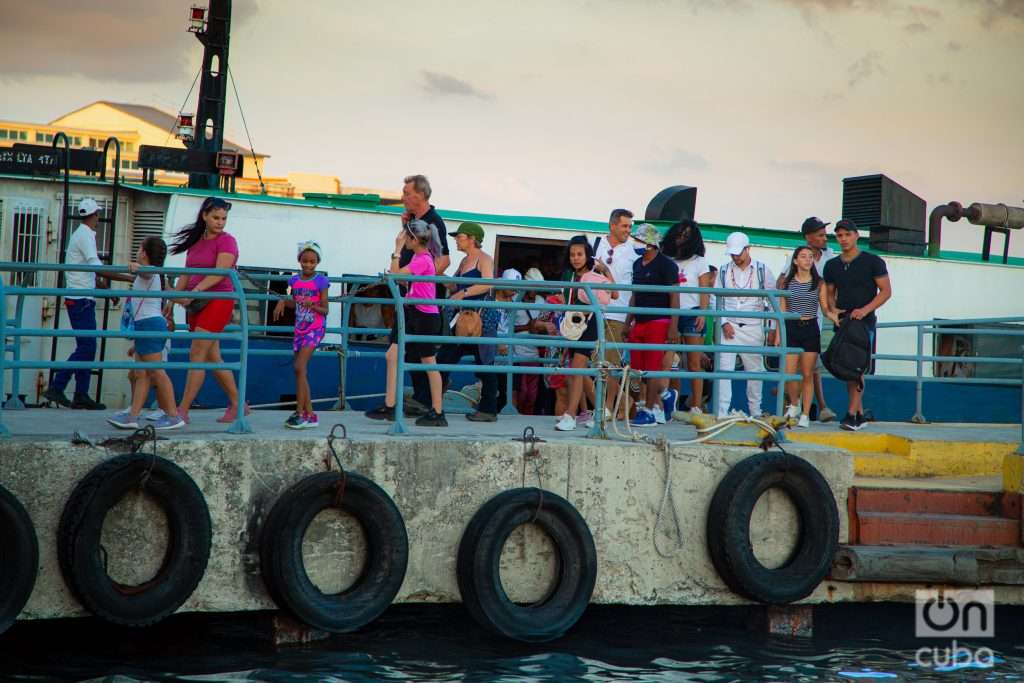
803 299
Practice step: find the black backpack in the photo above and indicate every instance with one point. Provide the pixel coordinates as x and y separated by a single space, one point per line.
849 354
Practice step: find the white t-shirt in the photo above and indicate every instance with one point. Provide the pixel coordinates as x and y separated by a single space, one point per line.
148 307
81 252
690 271
620 263
523 317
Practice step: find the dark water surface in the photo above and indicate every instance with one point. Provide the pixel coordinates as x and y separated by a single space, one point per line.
441 643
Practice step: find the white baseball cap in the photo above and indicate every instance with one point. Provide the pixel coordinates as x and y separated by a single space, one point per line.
534 274
511 274
735 243
87 207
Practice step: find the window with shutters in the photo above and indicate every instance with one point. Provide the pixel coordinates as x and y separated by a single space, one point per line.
146 223
27 226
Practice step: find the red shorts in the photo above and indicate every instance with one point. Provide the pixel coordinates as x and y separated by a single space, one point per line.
214 317
648 332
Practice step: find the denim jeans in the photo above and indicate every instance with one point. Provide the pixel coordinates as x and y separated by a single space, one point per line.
82 314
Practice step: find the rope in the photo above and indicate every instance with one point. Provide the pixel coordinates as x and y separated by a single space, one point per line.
252 149
339 491
666 496
530 452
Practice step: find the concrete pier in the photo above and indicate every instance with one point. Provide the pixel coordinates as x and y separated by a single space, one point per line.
438 478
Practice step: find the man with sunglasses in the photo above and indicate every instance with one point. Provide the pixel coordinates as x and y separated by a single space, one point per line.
617 251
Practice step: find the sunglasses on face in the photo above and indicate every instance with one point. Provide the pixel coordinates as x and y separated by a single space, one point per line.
216 203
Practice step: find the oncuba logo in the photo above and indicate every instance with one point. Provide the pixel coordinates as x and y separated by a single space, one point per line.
954 614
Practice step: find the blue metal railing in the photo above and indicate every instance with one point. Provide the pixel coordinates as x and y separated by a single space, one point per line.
11 329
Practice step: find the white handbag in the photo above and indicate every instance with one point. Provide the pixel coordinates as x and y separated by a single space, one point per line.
574 323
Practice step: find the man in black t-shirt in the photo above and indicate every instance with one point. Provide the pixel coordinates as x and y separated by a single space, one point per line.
856 284
416 200
653 268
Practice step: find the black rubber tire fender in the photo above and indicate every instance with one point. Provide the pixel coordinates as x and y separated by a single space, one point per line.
478 565
728 528
19 558
188 548
387 547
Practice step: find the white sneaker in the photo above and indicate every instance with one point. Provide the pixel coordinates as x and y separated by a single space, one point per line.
659 414
804 423
566 424
792 412
694 410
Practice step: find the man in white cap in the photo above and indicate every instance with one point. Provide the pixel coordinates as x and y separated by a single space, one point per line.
81 309
742 272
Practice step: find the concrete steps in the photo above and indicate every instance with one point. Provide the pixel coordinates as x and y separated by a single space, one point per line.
916 516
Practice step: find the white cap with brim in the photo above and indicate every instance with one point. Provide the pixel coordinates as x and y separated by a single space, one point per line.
511 274
534 274
87 207
735 243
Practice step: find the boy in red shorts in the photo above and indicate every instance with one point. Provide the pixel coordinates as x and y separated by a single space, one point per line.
653 268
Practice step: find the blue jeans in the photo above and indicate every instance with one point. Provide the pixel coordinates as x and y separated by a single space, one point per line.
82 314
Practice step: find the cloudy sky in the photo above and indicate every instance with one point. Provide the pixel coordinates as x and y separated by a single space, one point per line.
573 107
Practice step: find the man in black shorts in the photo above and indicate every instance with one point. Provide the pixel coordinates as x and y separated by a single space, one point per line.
857 285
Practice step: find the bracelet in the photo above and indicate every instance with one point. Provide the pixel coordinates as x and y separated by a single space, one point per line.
395 256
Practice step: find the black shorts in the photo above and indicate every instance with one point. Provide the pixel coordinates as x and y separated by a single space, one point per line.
805 334
418 322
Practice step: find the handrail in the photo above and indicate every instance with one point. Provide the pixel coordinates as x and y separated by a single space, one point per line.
240 424
350 296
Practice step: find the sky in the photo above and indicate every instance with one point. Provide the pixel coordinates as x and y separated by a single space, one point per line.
574 107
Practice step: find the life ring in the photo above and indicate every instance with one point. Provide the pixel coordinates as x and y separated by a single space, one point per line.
728 528
386 541
479 556
188 550
21 558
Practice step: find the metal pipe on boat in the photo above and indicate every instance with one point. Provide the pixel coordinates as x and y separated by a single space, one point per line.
996 215
954 211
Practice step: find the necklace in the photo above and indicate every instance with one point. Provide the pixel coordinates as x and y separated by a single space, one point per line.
735 283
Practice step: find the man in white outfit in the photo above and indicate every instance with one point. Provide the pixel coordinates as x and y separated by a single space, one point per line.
742 272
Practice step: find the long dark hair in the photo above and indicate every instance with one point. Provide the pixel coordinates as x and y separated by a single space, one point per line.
815 277
692 246
193 232
587 246
156 251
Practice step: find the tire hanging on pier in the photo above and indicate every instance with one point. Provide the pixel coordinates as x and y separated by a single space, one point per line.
387 547
479 556
20 563
728 528
83 559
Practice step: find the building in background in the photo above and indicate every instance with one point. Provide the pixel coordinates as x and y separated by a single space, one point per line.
133 125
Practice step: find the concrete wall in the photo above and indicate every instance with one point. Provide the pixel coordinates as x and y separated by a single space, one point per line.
438 486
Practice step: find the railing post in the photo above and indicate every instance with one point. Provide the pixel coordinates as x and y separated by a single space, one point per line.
918 416
717 337
597 431
398 426
4 432
346 311
1020 449
241 425
780 405
15 402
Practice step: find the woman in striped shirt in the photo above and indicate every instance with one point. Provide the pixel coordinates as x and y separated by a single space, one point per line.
806 294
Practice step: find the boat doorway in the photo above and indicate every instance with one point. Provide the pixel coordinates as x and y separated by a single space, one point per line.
523 253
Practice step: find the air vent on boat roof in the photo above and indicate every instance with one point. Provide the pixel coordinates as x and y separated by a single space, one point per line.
672 204
894 215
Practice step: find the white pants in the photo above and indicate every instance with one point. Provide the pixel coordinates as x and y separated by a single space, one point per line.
751 334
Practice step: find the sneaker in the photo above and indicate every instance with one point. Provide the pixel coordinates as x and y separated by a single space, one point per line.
566 424
54 396
154 415
804 423
432 419
479 417
381 412
311 421
826 415
862 421
658 413
124 420
231 414
295 421
644 418
669 399
585 418
792 412
413 408
168 422
84 402
849 423
694 410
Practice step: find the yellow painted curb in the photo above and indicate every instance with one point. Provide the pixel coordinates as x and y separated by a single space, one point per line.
1013 473
888 455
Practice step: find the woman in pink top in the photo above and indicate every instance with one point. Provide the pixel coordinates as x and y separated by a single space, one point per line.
422 239
580 258
207 245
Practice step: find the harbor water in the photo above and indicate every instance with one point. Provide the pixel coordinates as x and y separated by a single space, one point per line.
441 643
